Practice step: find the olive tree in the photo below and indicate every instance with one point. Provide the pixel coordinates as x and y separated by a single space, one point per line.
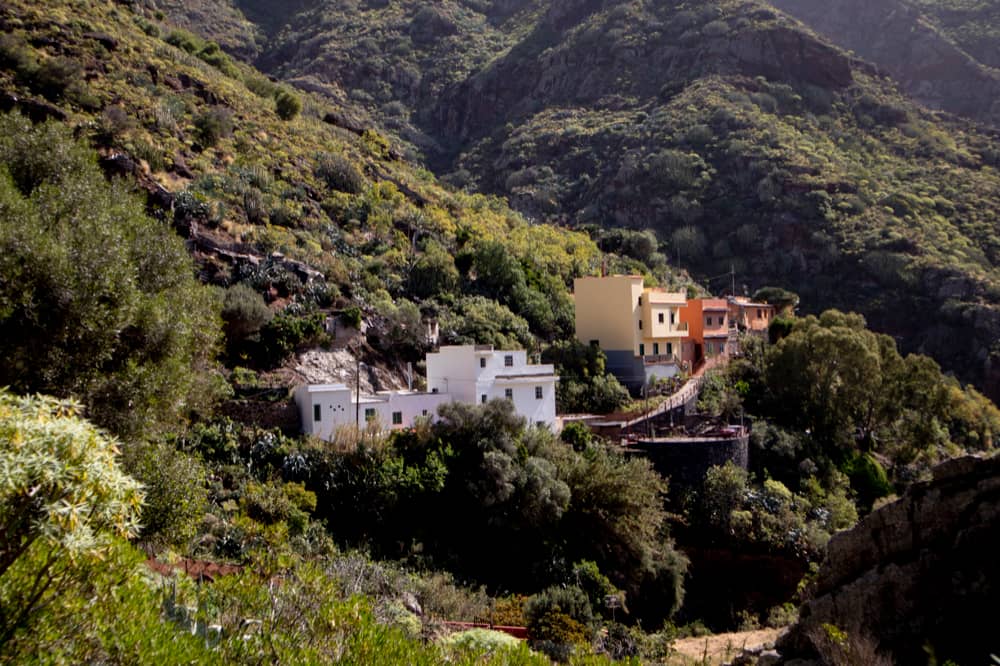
97 300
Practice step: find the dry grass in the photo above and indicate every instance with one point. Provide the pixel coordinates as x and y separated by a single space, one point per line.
718 649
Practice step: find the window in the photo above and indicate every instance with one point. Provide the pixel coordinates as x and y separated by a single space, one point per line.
483 398
640 324
660 317
423 413
670 348
708 321
317 413
538 393
508 394
482 363
397 418
760 313
508 361
640 300
642 349
673 316
656 349
369 413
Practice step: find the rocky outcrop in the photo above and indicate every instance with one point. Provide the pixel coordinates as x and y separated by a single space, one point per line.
905 44
922 572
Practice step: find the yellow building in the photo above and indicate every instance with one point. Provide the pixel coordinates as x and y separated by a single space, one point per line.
638 328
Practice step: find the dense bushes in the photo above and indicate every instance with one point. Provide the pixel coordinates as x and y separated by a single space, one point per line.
528 506
838 406
98 301
339 173
584 386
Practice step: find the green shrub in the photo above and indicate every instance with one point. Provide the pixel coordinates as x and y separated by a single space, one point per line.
577 435
213 125
481 641
352 316
340 174
244 313
260 85
184 40
559 614
176 497
287 104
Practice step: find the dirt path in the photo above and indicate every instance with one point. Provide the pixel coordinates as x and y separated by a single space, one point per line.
719 648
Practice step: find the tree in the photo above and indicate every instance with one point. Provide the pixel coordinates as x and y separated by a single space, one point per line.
583 384
784 301
63 497
175 494
97 301
478 320
244 313
434 273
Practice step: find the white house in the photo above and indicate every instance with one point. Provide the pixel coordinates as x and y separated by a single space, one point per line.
325 407
470 374
475 374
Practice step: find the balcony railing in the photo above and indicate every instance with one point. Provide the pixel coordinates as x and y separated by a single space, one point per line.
661 359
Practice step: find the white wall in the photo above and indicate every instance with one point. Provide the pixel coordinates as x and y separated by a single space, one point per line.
460 373
411 406
533 409
337 408
468 372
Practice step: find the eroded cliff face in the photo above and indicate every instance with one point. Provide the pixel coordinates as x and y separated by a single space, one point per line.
922 572
900 40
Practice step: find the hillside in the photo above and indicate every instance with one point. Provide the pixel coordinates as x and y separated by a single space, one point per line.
741 138
177 229
974 26
941 68
291 194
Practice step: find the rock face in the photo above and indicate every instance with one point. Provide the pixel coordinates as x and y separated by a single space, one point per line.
899 39
921 572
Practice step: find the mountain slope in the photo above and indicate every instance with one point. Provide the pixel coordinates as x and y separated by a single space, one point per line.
744 140
289 194
932 68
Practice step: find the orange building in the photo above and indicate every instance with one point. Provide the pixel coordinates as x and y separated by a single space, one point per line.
709 329
749 316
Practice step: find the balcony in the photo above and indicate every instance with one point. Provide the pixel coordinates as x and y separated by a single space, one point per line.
661 359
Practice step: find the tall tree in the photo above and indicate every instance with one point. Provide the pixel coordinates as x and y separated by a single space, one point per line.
97 300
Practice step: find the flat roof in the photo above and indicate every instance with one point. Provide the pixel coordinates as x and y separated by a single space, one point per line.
319 388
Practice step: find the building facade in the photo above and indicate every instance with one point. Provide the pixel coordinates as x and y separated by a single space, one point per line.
469 374
640 329
709 329
325 407
476 374
750 317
